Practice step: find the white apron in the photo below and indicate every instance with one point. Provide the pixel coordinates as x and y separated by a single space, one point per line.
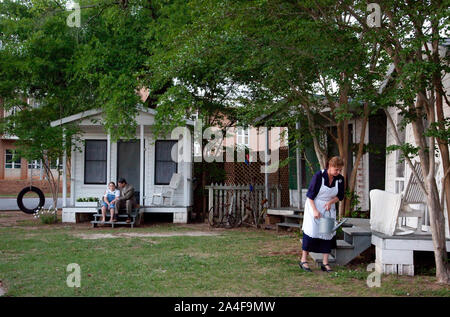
311 225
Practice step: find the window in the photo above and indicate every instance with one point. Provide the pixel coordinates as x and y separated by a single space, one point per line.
34 164
95 162
164 166
10 160
56 164
242 136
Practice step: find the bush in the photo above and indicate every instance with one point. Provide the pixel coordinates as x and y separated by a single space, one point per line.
47 216
87 199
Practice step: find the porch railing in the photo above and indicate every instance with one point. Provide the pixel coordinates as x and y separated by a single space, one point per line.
219 196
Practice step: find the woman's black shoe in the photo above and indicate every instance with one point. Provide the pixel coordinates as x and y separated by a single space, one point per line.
325 269
307 269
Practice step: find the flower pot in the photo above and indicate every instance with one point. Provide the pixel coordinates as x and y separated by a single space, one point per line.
86 204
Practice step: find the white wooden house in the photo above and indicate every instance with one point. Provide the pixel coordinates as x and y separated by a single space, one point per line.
144 162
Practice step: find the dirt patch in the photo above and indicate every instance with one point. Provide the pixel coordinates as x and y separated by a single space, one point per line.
2 289
95 236
13 218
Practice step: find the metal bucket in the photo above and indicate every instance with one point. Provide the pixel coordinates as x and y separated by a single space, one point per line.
328 225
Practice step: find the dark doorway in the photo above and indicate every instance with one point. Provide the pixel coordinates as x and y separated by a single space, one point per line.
377 151
128 162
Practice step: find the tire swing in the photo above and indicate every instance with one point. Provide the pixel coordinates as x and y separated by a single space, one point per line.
30 189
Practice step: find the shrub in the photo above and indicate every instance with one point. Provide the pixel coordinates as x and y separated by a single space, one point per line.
47 216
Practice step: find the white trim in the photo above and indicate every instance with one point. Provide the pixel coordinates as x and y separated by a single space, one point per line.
108 158
75 117
64 180
142 166
93 112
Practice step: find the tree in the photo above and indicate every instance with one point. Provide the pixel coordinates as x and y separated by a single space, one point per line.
293 60
71 69
410 34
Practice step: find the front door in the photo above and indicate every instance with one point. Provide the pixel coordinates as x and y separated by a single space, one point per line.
128 163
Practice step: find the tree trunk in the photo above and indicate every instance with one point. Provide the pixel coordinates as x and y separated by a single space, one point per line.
352 180
442 144
427 161
437 223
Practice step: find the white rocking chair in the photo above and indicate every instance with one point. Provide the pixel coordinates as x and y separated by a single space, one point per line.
173 185
386 208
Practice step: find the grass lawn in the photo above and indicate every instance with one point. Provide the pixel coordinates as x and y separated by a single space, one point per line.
241 262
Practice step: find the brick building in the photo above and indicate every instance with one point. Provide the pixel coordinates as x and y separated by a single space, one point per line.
17 173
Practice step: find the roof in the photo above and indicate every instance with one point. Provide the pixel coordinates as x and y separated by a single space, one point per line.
93 112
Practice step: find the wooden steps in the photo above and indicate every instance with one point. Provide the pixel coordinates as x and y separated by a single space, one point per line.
357 239
121 219
291 217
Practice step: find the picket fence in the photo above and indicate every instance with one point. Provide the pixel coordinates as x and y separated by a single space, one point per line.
220 196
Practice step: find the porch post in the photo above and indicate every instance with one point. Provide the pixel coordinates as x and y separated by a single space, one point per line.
266 175
64 180
72 175
186 160
108 158
142 166
298 159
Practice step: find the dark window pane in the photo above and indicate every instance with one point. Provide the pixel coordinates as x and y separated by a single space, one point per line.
164 166
95 162
164 172
96 172
95 150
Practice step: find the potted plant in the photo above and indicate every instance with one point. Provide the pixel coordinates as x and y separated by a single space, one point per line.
87 202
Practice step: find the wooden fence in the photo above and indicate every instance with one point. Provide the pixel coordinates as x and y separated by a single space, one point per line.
239 197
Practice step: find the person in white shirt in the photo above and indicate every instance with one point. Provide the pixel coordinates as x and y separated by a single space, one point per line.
109 201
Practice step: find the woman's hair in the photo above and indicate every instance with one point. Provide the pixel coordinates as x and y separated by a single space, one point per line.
112 183
335 161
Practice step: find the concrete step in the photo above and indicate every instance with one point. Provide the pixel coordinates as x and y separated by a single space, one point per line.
288 224
358 222
318 257
295 216
357 231
341 244
283 211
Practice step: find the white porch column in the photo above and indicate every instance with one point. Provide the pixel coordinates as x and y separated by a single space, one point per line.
299 169
108 158
266 175
72 176
187 159
142 166
64 180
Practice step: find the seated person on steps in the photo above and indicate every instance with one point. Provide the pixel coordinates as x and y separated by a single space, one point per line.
109 199
126 199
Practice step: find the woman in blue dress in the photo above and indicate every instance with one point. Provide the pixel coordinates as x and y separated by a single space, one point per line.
109 199
325 190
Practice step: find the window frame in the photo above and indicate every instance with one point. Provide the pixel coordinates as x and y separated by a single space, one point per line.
106 160
156 161
14 164
242 132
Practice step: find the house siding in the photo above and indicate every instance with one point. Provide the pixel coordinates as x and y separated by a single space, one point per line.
88 190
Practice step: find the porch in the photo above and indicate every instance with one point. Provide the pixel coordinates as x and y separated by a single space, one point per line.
73 214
